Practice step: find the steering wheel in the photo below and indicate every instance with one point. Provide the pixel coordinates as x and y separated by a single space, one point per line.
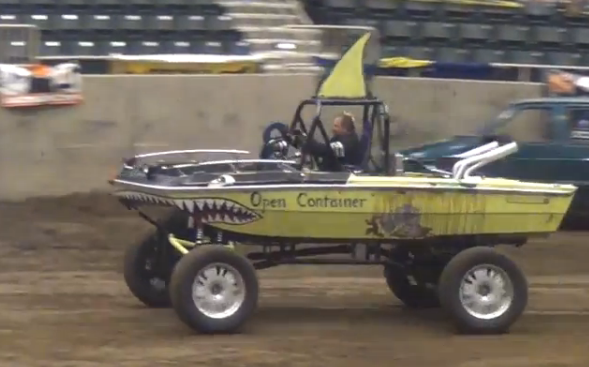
271 148
295 138
281 128
298 140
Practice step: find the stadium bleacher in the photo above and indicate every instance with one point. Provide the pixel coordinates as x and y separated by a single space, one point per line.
448 31
530 32
102 27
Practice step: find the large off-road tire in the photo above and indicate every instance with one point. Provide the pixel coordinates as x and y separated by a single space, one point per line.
214 290
470 275
146 283
148 263
412 295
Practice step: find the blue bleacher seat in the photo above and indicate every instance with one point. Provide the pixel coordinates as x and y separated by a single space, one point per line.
51 48
160 23
421 9
383 7
41 3
73 3
454 11
526 57
540 12
179 47
68 22
140 47
102 26
513 35
142 2
476 34
420 53
129 22
99 22
212 48
538 31
448 54
100 3
563 58
349 5
190 23
580 37
496 14
11 18
113 47
219 23
239 48
42 21
84 48
393 50
400 30
438 32
484 55
550 37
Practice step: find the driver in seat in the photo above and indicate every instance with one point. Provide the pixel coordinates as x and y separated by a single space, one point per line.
343 148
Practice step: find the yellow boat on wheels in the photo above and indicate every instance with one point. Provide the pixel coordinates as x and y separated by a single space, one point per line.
433 234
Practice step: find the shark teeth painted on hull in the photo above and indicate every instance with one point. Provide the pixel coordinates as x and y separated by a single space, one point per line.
210 210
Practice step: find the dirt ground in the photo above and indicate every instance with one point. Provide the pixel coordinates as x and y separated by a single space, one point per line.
63 303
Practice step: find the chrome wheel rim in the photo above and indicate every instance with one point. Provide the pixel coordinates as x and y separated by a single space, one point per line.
218 291
486 292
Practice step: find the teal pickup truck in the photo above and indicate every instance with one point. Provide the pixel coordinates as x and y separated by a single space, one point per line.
553 139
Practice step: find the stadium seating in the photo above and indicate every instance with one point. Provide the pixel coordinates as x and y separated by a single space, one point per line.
534 32
101 27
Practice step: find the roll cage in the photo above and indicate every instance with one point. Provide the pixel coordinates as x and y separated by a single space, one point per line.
375 126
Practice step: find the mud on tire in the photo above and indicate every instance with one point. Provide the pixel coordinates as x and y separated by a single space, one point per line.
193 280
482 269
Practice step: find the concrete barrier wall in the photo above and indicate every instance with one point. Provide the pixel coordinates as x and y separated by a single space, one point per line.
55 151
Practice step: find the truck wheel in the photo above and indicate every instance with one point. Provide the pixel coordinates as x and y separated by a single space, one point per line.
483 291
145 281
214 289
412 295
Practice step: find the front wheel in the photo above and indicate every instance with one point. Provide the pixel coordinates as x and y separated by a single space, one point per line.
214 289
143 274
412 295
483 291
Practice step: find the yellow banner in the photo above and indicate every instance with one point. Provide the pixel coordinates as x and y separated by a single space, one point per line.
489 3
162 67
403 62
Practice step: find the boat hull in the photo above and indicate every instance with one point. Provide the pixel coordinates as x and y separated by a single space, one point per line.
367 210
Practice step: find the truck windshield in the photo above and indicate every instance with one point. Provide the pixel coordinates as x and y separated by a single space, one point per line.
499 122
524 124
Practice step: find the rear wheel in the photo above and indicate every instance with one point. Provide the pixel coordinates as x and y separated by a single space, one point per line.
483 291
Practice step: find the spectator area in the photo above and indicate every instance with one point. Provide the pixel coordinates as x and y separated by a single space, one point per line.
101 27
539 32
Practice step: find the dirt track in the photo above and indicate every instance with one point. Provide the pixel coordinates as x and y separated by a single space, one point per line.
63 303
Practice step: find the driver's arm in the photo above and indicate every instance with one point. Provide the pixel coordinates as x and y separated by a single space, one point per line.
318 149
